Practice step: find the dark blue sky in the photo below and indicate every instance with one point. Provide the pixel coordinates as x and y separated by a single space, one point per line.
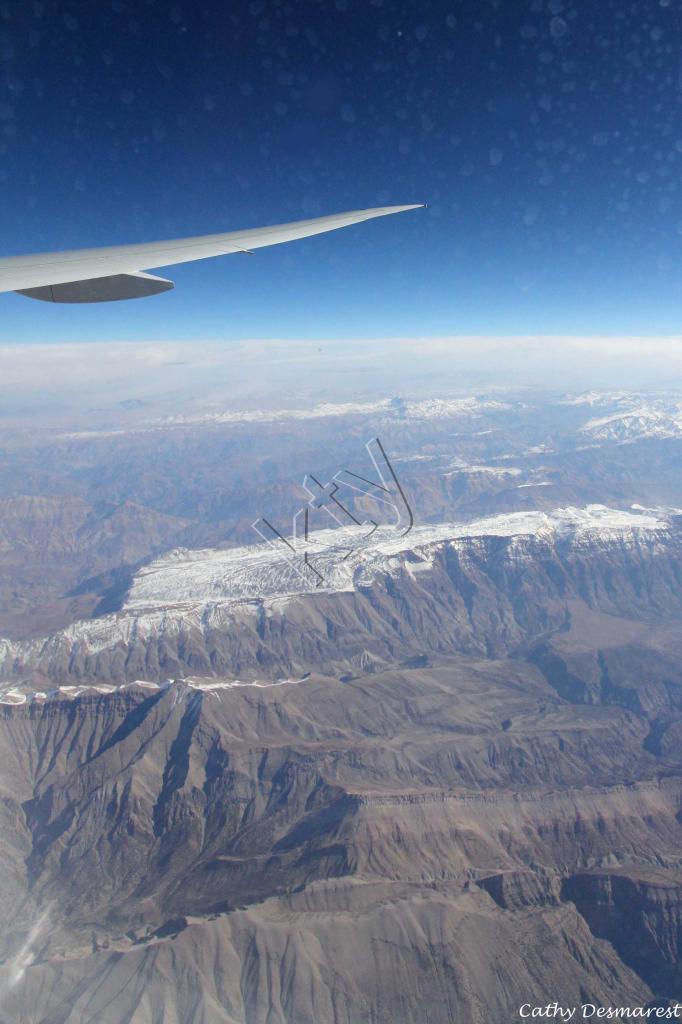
545 135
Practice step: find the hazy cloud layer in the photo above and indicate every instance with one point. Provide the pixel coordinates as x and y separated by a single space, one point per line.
203 375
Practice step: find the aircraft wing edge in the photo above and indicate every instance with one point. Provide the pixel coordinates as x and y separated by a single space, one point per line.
28 274
100 289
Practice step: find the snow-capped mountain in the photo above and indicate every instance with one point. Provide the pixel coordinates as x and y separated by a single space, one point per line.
623 416
252 613
339 560
418 409
636 424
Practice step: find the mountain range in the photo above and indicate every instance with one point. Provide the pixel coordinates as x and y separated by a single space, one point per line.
385 774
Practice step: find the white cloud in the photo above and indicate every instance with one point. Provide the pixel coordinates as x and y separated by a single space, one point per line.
192 376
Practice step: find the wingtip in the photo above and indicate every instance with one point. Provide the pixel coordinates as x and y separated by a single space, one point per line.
409 206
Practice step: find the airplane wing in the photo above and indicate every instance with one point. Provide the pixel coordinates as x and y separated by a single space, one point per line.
117 271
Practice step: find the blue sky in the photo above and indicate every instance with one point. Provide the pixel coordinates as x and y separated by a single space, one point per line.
546 137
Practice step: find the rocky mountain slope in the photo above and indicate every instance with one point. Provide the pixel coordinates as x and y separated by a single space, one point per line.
324 851
443 783
489 587
84 507
51 546
412 778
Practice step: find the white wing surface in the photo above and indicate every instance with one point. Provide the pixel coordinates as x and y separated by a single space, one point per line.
116 272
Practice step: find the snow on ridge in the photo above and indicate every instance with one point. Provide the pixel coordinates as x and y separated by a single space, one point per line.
347 558
627 416
644 420
461 468
17 695
642 413
88 435
599 398
419 409
320 411
210 590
